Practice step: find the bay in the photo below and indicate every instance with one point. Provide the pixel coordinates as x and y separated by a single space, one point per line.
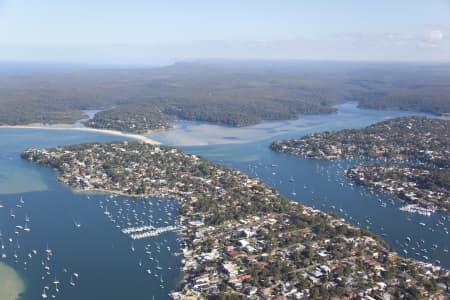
97 257
317 183
102 255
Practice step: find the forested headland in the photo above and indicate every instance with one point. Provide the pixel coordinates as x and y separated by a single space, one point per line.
234 93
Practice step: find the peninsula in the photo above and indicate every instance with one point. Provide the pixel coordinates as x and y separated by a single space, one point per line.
421 186
234 93
240 238
134 119
416 148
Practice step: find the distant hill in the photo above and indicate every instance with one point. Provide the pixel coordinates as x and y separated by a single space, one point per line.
235 93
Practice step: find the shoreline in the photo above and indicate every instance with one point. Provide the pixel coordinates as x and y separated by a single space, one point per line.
187 220
99 191
138 137
12 284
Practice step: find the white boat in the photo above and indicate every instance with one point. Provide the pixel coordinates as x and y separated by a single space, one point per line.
71 281
56 282
76 223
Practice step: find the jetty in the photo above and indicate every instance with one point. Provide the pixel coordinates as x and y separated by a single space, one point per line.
143 232
137 229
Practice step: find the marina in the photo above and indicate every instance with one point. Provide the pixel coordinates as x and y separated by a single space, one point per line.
152 233
413 208
51 267
63 246
323 184
85 232
330 190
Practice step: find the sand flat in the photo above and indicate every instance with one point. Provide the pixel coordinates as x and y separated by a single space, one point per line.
11 285
138 137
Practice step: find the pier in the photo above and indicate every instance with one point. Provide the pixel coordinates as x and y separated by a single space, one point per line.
143 232
137 229
414 208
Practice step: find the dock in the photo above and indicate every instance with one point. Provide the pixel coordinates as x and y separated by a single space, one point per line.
143 232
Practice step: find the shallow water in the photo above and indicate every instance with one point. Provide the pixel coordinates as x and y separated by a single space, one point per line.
11 285
192 133
97 251
322 184
102 255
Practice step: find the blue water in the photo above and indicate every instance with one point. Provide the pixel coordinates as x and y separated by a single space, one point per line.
97 251
102 255
322 184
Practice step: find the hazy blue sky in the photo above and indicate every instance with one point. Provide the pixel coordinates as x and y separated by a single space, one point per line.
145 31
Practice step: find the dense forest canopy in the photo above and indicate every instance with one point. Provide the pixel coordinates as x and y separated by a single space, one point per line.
229 92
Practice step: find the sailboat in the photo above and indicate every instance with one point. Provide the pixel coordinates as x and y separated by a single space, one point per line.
48 250
293 191
56 282
158 266
76 223
71 281
46 266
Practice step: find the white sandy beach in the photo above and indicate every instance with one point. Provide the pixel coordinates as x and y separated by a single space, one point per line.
138 137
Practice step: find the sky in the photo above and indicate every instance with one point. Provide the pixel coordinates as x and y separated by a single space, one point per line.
159 32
